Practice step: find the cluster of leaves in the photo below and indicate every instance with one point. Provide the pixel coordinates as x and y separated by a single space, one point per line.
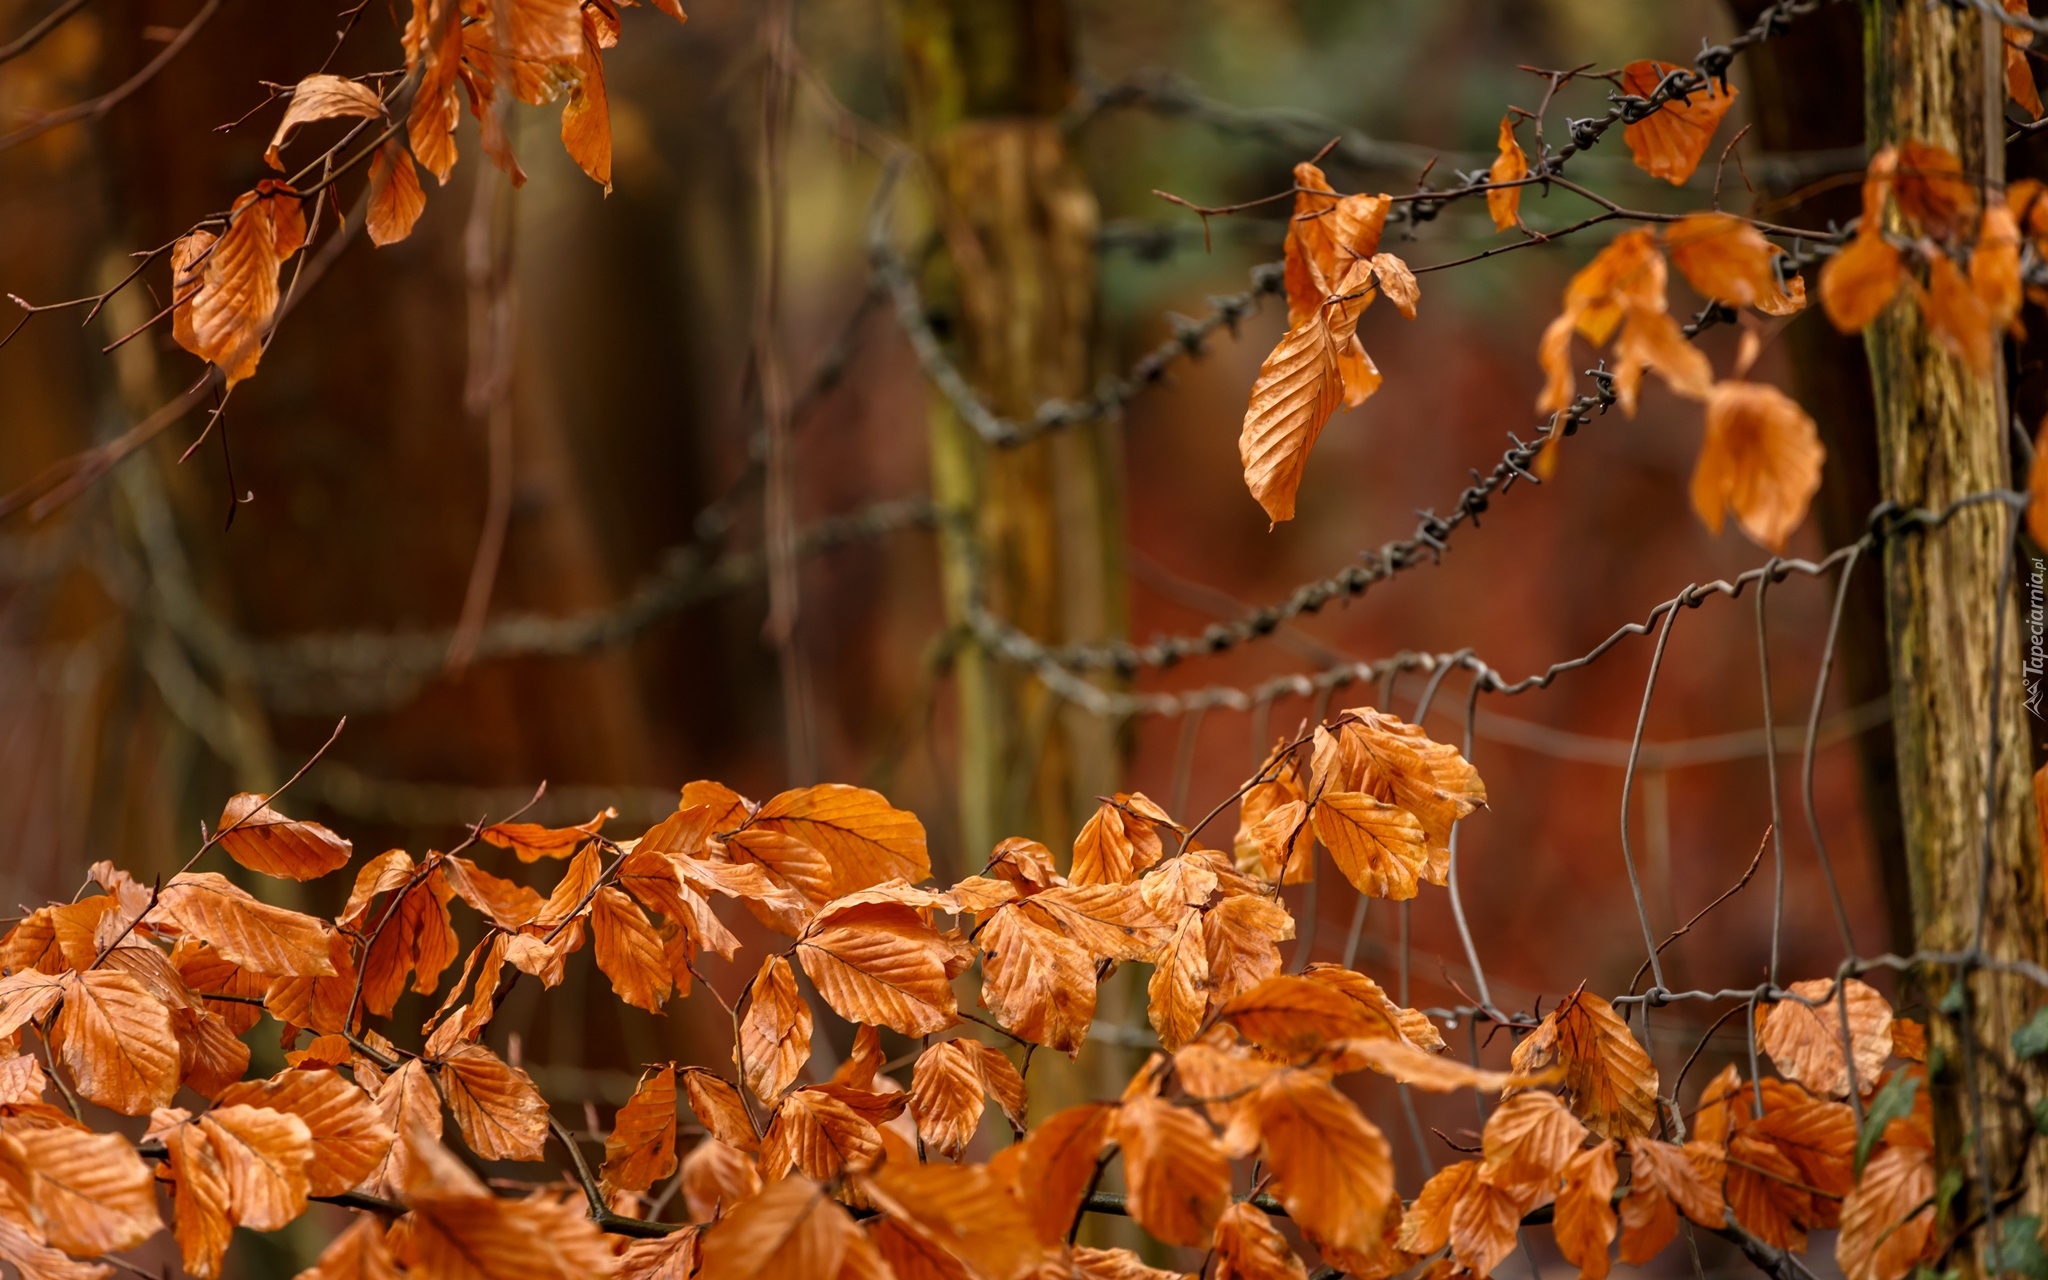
225 289
1761 456
141 999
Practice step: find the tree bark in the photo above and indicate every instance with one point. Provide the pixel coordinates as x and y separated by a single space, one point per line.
1934 74
1035 529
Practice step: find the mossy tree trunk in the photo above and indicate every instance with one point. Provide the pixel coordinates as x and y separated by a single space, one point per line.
1933 73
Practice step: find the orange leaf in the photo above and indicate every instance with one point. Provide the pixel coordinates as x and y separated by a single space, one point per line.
1669 142
85 1193
858 834
1310 250
263 1158
228 300
1761 459
322 97
1294 1016
628 950
262 839
1505 203
641 1148
117 1043
349 1135
501 1113
716 1177
1298 388
1692 1183
1527 1141
587 117
254 935
947 1094
1114 846
381 874
878 962
1111 921
775 1034
1038 984
1725 258
505 904
359 1253
28 995
1380 848
720 1108
1887 1221
820 1135
1612 1082
1248 1247
792 1229
1995 265
1178 993
407 1104
1857 284
1484 1223
1956 314
1242 934
1804 1036
1177 1172
1652 340
1585 1223
200 1221
965 1212
531 841
1055 1163
672 1257
1331 1166
1426 1227
1932 190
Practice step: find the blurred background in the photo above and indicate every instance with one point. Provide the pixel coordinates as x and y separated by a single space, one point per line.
157 656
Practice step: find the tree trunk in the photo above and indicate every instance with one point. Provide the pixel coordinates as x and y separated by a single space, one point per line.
1035 528
1934 74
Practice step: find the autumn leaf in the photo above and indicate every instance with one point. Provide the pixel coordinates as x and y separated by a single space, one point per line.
1038 984
641 1148
1294 1016
350 1137
1385 1016
1725 258
1177 995
458 1229
1249 1247
1652 341
21 1080
227 300
504 903
1177 1172
1379 847
530 841
501 1113
1242 934
1611 1080
407 1103
1504 203
1995 266
1669 142
1299 386
719 1107
831 840
1761 459
86 1193
1527 1142
263 1158
416 935
715 1177
254 935
792 1229
117 1042
262 839
28 995
1888 1219
1932 190
820 1135
358 1253
1585 1221
1956 315
775 1035
1116 844
322 97
586 117
965 1212
1804 1035
1331 1167
879 963
1110 921
671 1257
628 950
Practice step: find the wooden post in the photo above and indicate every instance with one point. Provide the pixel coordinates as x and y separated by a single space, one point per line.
1933 73
1038 527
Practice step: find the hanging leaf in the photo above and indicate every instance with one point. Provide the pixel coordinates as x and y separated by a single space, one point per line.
1804 1035
1761 459
1037 984
254 935
530 841
1670 141
322 97
1585 1218
775 1036
1612 1082
641 1148
262 839
117 1043
1888 1219
500 1112
792 1229
1331 1167
1177 1172
349 1137
1504 203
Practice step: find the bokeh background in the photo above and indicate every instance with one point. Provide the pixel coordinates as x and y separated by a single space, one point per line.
156 658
